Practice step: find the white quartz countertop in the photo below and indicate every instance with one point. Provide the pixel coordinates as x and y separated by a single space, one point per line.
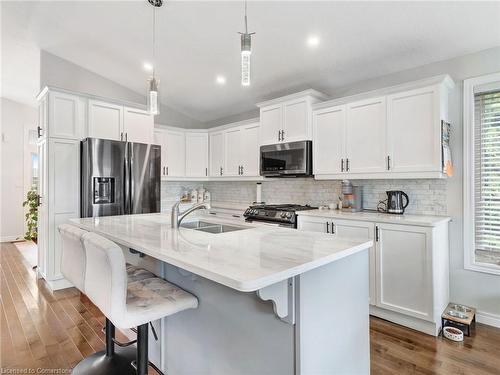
245 260
379 217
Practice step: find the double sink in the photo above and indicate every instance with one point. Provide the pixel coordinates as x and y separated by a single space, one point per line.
205 226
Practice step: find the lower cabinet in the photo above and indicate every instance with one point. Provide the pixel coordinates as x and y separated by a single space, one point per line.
345 229
409 268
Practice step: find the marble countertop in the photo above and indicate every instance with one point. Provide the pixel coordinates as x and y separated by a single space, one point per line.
379 217
245 260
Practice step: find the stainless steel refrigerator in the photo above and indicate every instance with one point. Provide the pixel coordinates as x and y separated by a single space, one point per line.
119 178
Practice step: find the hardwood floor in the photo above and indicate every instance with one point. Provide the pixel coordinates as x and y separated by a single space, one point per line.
41 329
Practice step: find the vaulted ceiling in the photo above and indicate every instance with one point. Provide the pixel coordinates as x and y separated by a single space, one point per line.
198 41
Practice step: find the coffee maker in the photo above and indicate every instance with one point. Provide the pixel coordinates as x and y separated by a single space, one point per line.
352 197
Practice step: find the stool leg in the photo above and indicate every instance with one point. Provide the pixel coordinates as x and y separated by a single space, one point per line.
142 349
110 335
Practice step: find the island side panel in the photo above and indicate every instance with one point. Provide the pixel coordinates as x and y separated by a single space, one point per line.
333 327
231 332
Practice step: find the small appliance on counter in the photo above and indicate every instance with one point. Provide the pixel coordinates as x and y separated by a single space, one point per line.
394 202
352 197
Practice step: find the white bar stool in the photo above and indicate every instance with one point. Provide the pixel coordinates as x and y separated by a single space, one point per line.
127 301
73 266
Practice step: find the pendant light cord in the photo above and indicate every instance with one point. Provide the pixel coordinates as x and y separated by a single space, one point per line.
246 24
154 40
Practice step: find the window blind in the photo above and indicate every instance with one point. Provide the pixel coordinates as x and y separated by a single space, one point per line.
487 176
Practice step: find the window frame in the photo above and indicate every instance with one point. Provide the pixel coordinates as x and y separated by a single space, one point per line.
468 174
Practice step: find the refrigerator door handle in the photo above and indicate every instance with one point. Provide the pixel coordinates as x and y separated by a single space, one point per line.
126 185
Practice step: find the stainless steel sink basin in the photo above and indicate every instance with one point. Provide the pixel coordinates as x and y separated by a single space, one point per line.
220 229
204 226
196 224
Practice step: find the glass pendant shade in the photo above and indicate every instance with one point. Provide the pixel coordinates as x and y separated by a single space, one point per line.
246 52
153 96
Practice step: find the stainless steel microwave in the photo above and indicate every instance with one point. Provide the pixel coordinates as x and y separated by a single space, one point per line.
291 159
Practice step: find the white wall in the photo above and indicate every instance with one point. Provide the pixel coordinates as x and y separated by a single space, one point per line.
15 118
55 71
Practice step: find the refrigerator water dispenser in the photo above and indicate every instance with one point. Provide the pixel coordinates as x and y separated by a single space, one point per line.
104 190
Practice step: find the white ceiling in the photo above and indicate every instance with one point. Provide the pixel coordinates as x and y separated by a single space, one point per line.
198 40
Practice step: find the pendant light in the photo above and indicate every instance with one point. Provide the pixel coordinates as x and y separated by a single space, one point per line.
246 52
153 82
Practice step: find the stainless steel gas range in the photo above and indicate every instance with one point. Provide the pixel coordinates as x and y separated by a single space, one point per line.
284 215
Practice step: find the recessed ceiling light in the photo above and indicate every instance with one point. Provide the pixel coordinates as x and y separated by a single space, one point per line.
147 66
313 41
221 80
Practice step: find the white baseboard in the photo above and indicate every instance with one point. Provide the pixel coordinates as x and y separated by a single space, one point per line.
488 318
12 238
430 328
58 284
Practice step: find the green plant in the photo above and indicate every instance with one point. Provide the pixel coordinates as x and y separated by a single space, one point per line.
32 215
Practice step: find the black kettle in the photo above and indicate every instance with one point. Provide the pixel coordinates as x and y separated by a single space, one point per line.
395 201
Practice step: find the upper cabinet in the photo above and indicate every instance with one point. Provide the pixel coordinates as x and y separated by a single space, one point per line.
105 120
196 155
138 125
235 151
395 135
175 152
288 119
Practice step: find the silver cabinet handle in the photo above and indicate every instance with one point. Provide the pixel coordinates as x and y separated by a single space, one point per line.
242 170
377 235
126 137
206 171
388 163
282 135
327 227
333 228
39 131
342 165
279 135
121 136
347 165
221 171
167 170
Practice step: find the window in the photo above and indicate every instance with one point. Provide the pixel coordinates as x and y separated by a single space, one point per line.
482 173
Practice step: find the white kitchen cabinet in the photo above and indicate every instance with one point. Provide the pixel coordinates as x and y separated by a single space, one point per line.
43 116
388 133
105 120
250 159
217 151
366 136
409 267
271 120
345 229
404 270
175 145
66 116
159 138
196 154
233 152
138 125
329 126
288 119
414 130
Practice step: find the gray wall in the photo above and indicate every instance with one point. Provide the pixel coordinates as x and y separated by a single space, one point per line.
55 71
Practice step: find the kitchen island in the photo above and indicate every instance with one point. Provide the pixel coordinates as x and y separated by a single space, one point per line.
272 300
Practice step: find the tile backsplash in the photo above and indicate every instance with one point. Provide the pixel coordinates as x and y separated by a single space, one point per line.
427 197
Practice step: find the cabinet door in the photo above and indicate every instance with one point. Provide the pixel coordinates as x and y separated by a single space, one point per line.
196 154
329 138
42 230
414 130
43 116
233 152
64 196
138 125
105 120
217 154
250 160
404 269
313 224
160 139
66 116
271 123
175 151
297 121
360 230
366 136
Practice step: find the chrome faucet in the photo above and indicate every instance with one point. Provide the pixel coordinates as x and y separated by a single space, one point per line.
177 216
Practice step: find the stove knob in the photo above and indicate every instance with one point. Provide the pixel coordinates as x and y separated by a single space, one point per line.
288 215
283 215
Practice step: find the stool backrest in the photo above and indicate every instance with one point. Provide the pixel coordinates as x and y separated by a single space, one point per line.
105 275
73 259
